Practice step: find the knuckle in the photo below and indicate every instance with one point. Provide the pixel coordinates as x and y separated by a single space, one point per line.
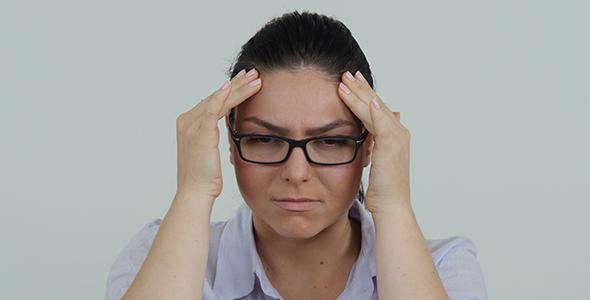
181 122
355 100
214 98
210 111
193 131
244 92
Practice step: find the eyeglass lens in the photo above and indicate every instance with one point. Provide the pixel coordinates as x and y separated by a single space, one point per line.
268 149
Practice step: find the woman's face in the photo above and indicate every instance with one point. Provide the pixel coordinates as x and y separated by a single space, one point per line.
298 199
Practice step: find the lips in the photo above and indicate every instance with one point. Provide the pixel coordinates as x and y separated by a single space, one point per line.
298 204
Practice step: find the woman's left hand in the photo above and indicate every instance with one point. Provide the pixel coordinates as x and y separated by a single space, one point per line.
389 180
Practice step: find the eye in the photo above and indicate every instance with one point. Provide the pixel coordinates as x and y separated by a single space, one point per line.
262 140
334 142
266 141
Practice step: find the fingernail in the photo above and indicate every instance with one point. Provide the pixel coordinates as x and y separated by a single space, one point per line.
226 85
250 73
255 82
375 103
349 76
344 88
360 76
241 73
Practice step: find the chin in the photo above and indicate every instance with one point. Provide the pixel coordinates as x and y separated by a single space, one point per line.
298 228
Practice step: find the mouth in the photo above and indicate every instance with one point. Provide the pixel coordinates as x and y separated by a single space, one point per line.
298 204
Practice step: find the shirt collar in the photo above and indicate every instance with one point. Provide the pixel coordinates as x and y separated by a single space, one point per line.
238 263
362 279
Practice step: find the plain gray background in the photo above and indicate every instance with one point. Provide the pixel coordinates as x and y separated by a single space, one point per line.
495 93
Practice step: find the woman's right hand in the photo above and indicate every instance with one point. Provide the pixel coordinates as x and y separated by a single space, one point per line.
197 134
181 245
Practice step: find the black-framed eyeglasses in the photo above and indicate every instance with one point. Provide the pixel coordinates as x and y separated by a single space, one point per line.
271 149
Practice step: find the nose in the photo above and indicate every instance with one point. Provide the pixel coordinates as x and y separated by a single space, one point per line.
297 168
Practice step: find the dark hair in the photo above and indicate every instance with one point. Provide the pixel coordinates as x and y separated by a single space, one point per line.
297 41
303 40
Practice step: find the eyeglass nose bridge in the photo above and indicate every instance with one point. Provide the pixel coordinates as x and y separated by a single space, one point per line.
298 144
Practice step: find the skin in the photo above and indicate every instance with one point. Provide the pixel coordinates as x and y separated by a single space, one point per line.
282 103
405 269
290 244
298 249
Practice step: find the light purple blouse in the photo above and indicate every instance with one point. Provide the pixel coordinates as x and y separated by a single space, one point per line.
234 270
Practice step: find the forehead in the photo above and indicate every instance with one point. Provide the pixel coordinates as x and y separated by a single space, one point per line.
296 99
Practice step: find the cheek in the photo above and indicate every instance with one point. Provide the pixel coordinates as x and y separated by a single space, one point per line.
252 179
344 180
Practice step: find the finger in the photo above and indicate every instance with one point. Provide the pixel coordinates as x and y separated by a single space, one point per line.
219 95
397 115
361 88
378 119
245 85
358 107
216 103
210 106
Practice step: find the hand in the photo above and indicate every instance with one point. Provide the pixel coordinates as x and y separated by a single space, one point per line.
199 166
389 180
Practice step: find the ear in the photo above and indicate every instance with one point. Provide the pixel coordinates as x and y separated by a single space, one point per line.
232 145
369 144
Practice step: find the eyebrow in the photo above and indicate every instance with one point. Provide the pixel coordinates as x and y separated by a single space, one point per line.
311 131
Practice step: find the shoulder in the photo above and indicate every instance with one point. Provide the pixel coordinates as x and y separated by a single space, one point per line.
136 250
440 248
456 261
131 258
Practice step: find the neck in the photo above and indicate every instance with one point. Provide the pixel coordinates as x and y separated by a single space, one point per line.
324 259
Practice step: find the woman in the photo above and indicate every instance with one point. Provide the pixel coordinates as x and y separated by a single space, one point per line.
303 122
